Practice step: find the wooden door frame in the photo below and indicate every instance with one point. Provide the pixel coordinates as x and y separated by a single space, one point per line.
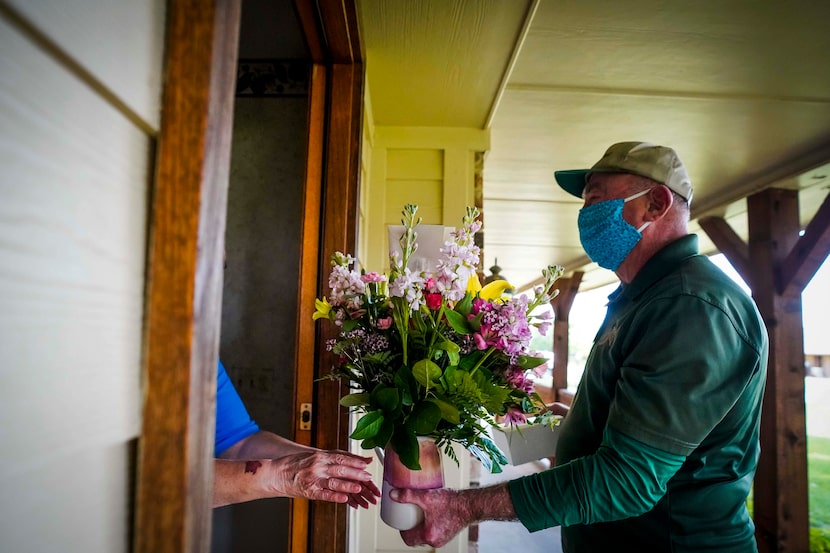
330 206
184 277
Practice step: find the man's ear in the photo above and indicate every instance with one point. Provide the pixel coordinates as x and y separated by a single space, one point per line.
660 201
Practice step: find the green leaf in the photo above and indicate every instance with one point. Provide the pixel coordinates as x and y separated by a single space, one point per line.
458 322
368 426
425 417
465 306
425 372
488 453
405 444
386 398
452 350
449 412
354 400
349 325
469 361
527 362
403 378
382 437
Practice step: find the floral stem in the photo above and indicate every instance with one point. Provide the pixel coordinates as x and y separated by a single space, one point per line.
482 360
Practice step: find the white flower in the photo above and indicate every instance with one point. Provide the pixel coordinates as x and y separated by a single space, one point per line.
410 287
346 285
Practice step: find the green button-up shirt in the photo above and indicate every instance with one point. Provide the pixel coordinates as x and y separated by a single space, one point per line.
660 446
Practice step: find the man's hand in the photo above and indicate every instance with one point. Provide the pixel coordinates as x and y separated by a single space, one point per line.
336 476
447 512
443 516
558 408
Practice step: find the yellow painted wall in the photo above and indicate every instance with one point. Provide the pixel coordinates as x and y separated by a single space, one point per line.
431 167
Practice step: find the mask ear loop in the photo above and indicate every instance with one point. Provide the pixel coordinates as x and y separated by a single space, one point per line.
635 196
638 194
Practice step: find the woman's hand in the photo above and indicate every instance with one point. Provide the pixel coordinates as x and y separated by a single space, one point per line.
336 476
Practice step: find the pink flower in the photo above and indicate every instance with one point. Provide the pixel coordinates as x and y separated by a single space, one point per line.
517 379
372 276
478 306
384 323
479 341
514 415
433 300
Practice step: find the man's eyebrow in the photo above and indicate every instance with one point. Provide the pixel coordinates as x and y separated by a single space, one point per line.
589 186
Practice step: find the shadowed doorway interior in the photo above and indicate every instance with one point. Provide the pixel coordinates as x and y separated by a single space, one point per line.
263 237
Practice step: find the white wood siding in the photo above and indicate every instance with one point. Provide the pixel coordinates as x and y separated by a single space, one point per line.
74 178
120 42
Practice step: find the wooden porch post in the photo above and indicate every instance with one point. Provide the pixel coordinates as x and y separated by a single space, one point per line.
561 304
778 265
781 506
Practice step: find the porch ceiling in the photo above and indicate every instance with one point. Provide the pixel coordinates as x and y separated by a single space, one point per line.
741 89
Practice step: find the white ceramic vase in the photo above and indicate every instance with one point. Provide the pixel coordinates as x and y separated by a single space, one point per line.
404 516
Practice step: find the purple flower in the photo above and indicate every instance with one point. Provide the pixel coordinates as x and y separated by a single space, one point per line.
460 259
514 415
517 379
479 341
346 285
505 326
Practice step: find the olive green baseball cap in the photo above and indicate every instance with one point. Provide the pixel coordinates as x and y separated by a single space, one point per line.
658 163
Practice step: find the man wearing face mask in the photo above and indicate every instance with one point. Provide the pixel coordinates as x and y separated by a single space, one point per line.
659 448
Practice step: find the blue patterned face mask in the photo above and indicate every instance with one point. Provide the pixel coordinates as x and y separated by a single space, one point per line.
605 235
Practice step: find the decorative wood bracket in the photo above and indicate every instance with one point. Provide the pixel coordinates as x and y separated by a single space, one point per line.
730 244
808 253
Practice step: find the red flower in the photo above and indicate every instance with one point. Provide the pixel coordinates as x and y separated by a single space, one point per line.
433 300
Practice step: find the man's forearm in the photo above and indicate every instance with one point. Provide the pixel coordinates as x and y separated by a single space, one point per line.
489 503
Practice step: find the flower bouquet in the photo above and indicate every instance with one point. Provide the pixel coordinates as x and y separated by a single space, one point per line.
434 354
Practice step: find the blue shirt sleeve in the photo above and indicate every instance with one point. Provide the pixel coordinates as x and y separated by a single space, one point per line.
233 422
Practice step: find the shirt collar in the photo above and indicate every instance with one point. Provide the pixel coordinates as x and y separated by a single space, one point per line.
660 265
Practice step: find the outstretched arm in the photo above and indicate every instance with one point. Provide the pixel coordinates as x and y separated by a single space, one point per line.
623 478
267 465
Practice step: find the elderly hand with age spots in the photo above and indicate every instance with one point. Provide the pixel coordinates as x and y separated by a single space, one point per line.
336 476
447 512
267 465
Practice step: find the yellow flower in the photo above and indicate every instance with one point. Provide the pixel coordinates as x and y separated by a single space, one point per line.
473 284
323 309
494 290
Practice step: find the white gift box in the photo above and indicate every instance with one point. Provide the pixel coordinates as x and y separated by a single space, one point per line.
431 238
523 443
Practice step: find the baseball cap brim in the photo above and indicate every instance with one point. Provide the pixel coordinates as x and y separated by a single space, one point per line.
572 181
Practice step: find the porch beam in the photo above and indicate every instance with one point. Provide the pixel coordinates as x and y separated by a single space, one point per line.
561 304
780 490
728 242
